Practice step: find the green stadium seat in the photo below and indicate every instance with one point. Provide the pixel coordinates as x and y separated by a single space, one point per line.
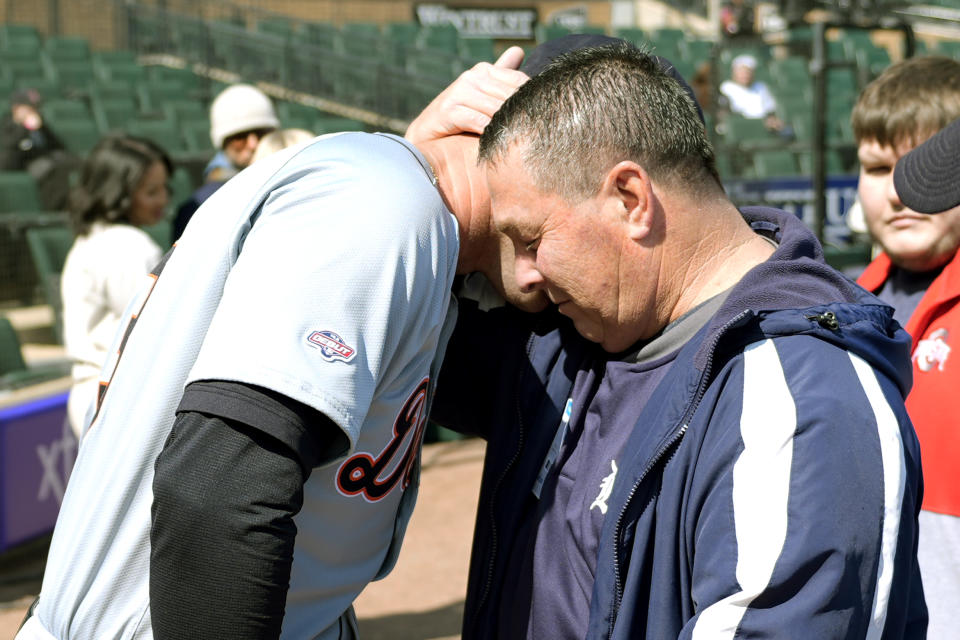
47 87
196 135
67 48
113 114
23 67
164 133
276 26
443 37
11 356
114 57
634 35
321 34
405 32
79 136
477 50
181 185
152 94
426 64
72 76
14 371
843 131
129 73
333 124
48 246
742 131
18 193
20 37
724 164
546 32
161 233
695 51
109 89
874 59
836 50
181 110
776 163
666 42
833 159
296 115
63 110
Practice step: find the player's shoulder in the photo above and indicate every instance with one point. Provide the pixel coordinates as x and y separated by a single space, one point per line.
380 155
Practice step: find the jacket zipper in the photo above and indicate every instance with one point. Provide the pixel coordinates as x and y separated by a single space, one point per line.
684 425
496 490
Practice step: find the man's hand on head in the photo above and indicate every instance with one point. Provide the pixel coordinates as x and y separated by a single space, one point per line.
467 105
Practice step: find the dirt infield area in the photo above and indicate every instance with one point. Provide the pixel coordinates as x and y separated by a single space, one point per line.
422 599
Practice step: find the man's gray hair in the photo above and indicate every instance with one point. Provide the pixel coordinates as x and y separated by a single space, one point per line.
593 108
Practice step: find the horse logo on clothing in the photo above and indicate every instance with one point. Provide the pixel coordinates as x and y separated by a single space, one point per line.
606 488
933 351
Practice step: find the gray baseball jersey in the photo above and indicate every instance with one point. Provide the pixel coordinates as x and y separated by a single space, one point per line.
323 273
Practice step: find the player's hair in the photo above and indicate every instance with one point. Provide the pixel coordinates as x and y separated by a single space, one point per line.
108 179
594 107
907 103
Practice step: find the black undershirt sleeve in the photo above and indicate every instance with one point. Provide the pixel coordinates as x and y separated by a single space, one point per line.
227 485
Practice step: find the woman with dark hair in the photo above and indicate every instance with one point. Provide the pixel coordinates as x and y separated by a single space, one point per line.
122 187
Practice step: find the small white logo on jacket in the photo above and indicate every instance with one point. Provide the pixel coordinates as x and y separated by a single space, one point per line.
933 350
606 488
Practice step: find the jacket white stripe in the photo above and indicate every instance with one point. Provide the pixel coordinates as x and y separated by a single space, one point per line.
761 486
894 481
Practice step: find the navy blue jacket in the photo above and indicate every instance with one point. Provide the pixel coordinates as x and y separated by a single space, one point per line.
780 498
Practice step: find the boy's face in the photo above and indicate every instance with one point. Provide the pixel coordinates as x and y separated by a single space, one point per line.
914 241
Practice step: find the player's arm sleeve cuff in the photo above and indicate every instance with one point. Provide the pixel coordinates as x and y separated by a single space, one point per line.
311 435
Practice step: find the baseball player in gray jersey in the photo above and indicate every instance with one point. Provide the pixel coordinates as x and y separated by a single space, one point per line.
254 454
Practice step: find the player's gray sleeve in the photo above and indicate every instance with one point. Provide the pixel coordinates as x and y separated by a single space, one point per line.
225 494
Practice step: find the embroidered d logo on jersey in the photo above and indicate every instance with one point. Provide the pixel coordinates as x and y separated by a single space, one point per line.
360 474
933 351
331 346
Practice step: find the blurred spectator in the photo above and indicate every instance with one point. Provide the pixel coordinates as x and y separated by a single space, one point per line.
280 139
30 145
737 18
750 98
239 117
122 186
918 274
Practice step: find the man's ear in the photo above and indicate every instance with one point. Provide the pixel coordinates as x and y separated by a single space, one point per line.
628 186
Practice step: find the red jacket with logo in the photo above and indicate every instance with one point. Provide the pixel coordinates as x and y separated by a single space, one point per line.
934 401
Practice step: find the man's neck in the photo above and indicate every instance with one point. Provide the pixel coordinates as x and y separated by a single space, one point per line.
463 189
726 249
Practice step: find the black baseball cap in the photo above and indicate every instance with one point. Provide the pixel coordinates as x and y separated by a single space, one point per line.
538 59
927 179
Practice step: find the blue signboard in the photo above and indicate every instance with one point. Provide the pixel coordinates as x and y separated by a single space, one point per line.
37 452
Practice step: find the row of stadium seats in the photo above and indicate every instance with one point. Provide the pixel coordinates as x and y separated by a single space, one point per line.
111 91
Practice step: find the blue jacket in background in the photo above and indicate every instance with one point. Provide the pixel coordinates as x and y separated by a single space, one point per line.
781 496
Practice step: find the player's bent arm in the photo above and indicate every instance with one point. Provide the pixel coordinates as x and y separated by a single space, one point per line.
805 502
225 494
